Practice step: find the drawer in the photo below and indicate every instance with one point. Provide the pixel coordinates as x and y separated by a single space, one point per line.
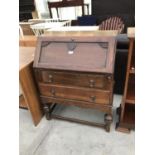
82 104
76 79
75 93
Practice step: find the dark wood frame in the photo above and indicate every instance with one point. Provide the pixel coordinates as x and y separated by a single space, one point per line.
66 3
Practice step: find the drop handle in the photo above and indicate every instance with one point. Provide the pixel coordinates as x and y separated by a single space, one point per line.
53 92
91 83
93 98
50 77
109 78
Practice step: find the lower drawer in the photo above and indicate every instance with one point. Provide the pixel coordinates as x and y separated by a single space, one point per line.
81 104
75 93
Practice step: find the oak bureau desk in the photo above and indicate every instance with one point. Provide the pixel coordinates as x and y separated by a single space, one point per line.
76 68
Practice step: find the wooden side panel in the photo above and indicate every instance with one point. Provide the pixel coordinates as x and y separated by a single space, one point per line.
30 93
126 111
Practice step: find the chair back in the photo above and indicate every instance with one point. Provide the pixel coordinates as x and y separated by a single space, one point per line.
39 31
112 23
65 3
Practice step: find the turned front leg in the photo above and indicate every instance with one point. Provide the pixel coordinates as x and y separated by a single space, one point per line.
108 121
46 108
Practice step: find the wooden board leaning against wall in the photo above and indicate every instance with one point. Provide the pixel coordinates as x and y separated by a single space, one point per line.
29 98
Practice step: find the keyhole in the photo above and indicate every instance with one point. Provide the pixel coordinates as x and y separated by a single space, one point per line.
70 52
71 46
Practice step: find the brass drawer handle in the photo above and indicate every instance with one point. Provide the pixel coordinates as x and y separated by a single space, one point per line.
53 92
109 78
93 98
91 83
50 77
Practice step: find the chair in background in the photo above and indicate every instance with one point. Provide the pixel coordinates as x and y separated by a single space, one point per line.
67 3
36 21
39 26
38 32
112 23
68 23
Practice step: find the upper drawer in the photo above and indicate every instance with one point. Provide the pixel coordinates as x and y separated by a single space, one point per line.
75 93
76 79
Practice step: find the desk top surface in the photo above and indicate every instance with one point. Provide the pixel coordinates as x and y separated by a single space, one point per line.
26 56
82 33
28 38
75 28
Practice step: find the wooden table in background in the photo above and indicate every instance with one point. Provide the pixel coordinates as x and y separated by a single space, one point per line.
29 97
28 41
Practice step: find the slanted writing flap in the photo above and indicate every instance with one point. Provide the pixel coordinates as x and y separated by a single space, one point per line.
91 54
